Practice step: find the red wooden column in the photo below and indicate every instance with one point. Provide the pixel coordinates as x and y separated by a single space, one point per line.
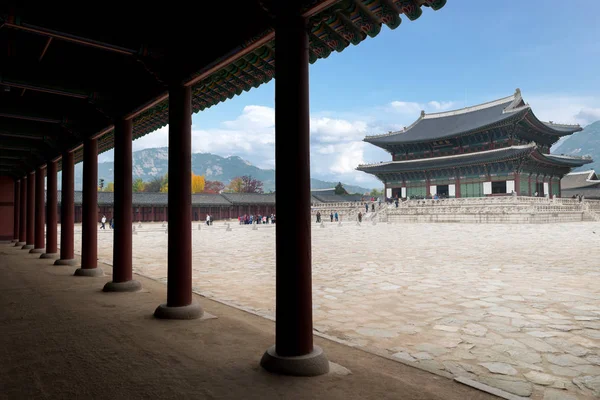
122 257
23 213
51 204
40 220
30 236
294 352
517 183
16 211
89 217
67 212
179 303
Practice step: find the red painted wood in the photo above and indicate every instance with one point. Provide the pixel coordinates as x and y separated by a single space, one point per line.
40 212
67 208
89 217
51 206
23 211
179 284
17 209
30 209
293 329
122 253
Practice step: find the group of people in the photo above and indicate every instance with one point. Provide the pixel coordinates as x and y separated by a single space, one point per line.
111 223
247 219
332 216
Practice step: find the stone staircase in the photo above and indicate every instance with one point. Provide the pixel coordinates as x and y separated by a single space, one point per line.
508 209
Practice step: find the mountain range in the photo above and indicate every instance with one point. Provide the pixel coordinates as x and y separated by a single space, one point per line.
151 163
586 142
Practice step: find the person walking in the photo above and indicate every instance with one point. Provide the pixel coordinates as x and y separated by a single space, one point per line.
207 219
366 208
318 216
336 216
103 221
331 216
359 216
111 223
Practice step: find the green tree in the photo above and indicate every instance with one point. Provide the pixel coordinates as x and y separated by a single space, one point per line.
339 189
138 185
376 193
164 187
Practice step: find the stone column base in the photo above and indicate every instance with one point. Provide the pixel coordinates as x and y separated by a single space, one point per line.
14 240
127 286
89 272
53 256
27 247
37 251
191 311
20 244
311 364
71 262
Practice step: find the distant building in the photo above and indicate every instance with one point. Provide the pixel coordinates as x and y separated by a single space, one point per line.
490 149
585 183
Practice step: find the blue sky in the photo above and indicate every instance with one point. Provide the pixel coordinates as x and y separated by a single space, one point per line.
470 51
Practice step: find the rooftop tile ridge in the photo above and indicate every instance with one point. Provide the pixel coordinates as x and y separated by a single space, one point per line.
552 123
589 171
530 145
476 107
566 157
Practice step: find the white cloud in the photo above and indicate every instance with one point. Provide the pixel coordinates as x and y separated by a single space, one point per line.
414 108
565 109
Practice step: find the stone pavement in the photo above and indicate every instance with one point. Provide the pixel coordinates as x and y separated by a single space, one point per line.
516 307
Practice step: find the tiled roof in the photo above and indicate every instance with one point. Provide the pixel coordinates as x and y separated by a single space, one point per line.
250 198
337 198
579 180
449 124
200 199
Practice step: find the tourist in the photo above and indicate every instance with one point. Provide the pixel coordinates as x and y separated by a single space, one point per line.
373 207
195 215
359 216
336 216
397 202
366 208
318 217
111 223
210 219
103 221
207 219
331 216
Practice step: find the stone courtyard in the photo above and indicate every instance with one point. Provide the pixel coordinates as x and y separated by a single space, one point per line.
516 307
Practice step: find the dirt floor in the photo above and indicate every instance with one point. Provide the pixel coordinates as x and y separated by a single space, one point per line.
62 337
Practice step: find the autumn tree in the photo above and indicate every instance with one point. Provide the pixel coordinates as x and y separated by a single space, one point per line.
251 185
110 187
213 187
236 185
197 183
138 185
154 185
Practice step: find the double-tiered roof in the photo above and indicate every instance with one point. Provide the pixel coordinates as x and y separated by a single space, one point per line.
470 120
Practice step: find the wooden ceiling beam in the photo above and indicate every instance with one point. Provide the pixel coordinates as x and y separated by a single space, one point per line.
69 38
31 118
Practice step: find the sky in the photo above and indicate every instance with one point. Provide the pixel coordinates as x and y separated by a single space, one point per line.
469 52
